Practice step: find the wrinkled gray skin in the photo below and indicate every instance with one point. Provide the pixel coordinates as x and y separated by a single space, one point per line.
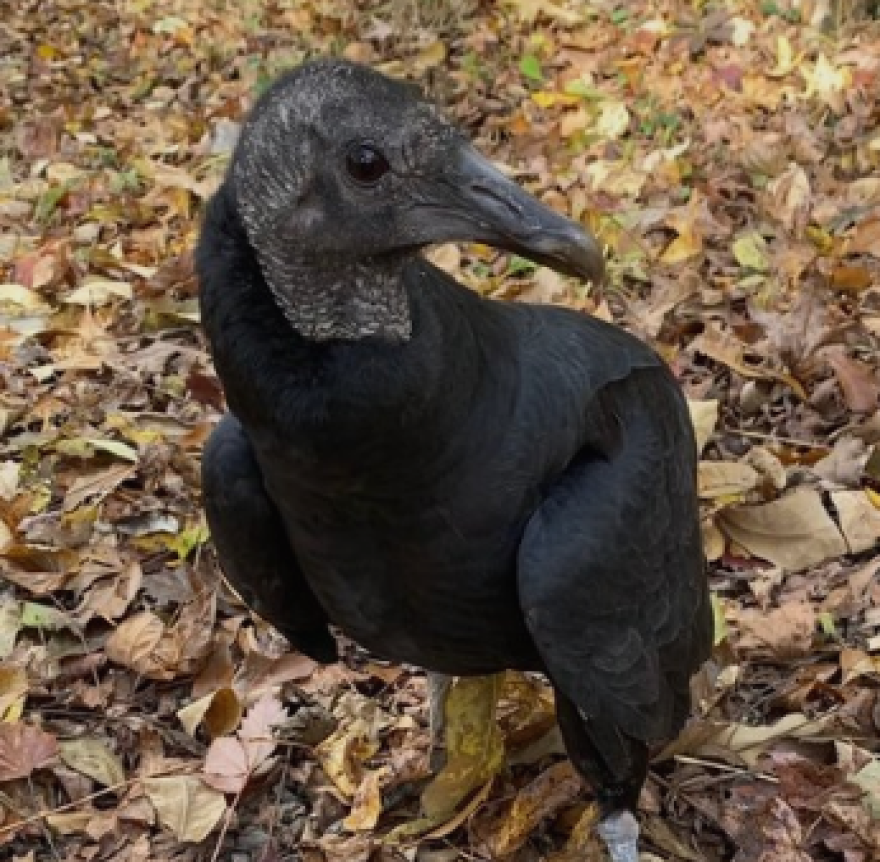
331 249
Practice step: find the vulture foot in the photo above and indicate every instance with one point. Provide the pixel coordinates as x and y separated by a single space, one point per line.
620 832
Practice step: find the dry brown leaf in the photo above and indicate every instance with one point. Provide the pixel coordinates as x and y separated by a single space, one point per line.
725 479
794 532
221 712
859 381
91 757
24 748
865 239
10 625
790 198
859 520
510 827
728 350
786 631
704 417
96 486
185 805
134 642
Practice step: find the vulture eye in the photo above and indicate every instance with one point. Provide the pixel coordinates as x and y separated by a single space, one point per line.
365 164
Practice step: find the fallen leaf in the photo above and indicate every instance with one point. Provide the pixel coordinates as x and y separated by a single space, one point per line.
794 532
24 748
227 767
10 625
751 251
865 239
725 348
91 757
791 197
366 807
96 486
98 292
142 643
257 726
787 631
13 692
185 805
509 828
704 417
858 380
474 749
859 520
613 120
725 479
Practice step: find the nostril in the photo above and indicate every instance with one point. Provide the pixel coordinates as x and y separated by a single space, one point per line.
497 196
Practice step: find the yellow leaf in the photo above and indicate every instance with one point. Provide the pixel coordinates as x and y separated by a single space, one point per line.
431 56
785 59
474 749
827 83
13 692
544 99
20 298
750 251
185 805
683 247
367 805
343 753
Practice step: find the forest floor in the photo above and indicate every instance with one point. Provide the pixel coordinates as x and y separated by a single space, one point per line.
727 154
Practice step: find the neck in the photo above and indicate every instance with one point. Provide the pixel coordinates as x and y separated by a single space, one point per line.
340 300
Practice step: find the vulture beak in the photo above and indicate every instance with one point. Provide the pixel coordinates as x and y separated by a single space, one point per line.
475 202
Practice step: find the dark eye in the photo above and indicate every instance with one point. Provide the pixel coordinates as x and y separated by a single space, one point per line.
365 164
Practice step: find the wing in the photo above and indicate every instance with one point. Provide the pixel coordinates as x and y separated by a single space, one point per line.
252 543
610 570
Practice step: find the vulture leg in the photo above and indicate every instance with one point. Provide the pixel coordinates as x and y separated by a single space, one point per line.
252 544
614 593
438 691
618 798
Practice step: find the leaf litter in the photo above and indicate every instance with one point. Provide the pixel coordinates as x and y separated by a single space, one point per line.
726 154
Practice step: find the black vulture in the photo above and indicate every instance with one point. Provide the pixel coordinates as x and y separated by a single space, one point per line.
458 483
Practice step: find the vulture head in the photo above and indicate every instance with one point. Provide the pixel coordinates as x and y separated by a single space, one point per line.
342 174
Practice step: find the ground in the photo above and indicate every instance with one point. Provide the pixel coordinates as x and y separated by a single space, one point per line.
727 154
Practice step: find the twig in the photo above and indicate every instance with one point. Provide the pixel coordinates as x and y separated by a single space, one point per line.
724 767
761 435
227 819
42 815
282 781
